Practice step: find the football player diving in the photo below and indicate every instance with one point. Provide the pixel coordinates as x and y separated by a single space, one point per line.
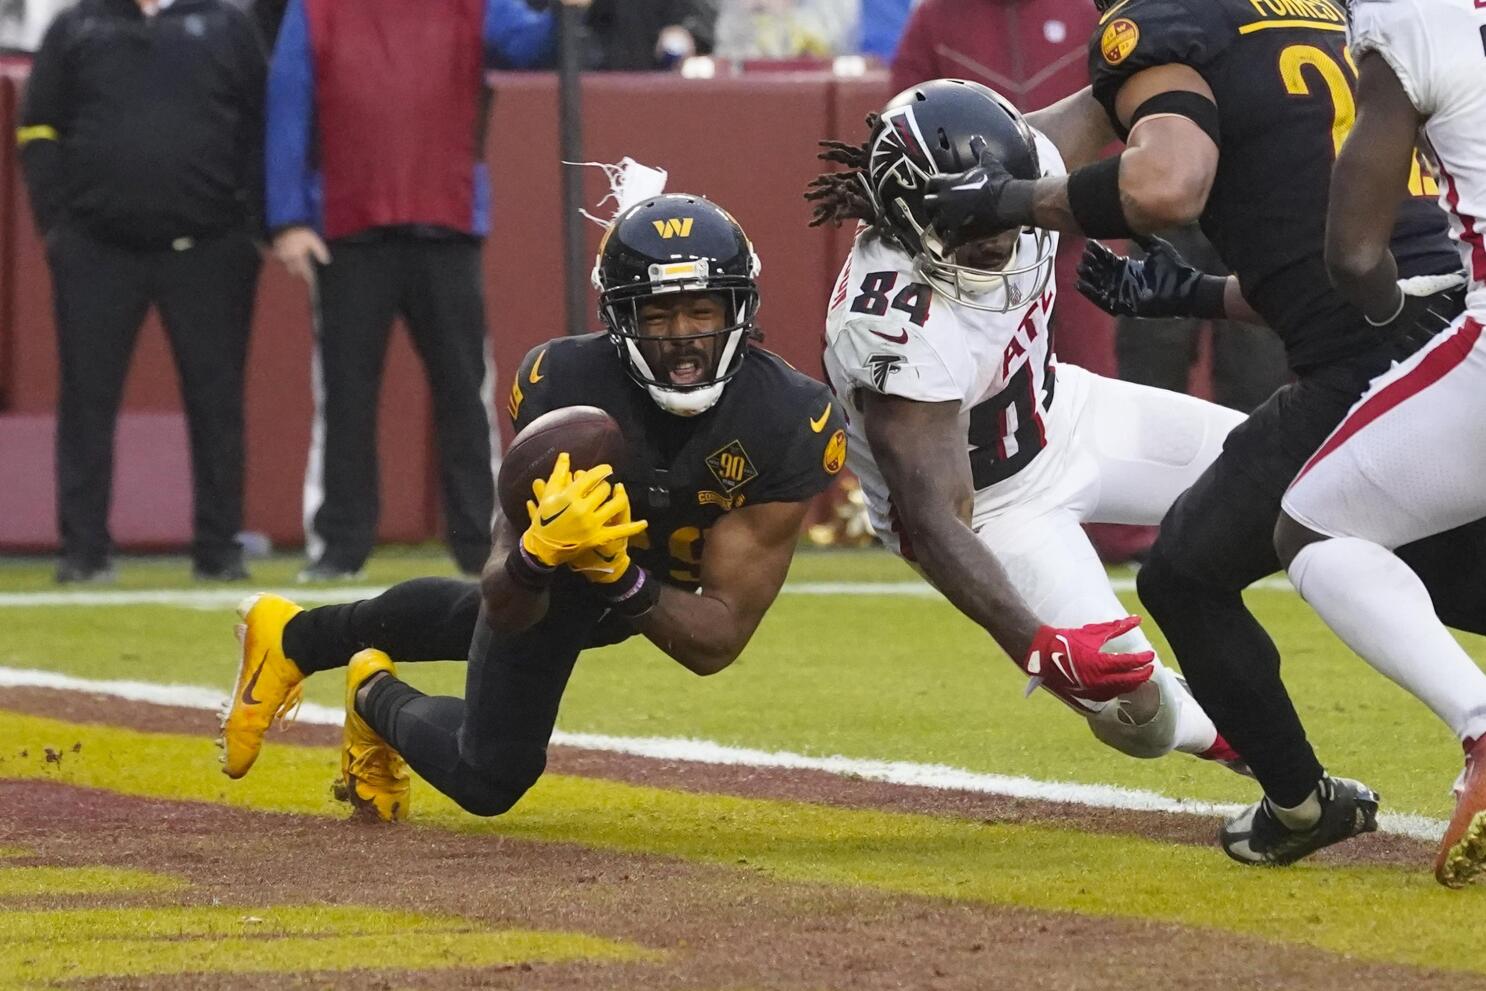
979 453
1232 114
686 543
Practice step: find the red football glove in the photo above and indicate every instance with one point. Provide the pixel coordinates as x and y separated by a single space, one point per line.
1070 662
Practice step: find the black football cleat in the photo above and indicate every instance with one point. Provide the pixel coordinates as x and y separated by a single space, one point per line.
1258 838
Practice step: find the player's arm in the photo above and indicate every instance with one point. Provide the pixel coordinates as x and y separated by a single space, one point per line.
1160 180
922 453
1372 166
744 564
510 605
1162 284
1077 126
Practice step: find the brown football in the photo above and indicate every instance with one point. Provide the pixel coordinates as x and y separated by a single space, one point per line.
589 436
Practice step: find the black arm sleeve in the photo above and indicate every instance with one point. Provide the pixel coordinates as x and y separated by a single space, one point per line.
1143 34
45 115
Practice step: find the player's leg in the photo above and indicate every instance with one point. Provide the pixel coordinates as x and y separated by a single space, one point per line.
1149 444
485 750
1212 545
446 316
1058 574
1407 460
426 619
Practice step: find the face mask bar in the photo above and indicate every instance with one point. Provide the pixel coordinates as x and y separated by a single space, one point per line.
621 308
993 291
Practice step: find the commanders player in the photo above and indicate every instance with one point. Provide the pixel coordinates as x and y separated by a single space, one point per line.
1410 458
1232 112
978 452
726 446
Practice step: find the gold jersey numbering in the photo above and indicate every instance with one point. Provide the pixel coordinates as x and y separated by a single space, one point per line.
1293 63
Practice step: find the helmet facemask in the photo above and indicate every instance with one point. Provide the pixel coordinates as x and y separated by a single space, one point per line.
720 350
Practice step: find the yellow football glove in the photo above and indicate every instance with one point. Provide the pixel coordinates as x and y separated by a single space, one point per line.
570 513
607 562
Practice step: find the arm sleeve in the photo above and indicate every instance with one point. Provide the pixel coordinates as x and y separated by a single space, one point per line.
253 80
518 36
1143 34
45 117
1396 31
290 122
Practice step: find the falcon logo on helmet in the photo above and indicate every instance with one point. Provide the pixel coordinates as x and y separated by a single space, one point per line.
643 261
943 127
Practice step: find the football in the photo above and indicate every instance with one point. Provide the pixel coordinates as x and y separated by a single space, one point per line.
589 435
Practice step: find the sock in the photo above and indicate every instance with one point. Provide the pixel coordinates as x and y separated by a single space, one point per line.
1381 609
1298 818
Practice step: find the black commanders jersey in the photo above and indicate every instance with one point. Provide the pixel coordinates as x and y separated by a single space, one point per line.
1283 82
775 435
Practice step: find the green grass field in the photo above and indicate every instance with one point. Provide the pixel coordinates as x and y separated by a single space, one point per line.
861 675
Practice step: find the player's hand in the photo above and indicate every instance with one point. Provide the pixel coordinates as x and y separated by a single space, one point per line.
606 563
978 203
571 513
1073 662
1162 284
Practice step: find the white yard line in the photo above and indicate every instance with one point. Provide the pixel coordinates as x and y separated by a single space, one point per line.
936 776
227 598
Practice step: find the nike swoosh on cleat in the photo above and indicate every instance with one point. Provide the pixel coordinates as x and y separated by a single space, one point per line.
901 338
247 695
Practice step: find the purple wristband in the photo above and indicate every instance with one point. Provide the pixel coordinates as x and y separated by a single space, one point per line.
527 571
634 594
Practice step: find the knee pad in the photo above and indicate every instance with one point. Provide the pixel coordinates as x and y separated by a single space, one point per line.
1155 737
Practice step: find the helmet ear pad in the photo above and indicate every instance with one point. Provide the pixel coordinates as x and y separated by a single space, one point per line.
665 246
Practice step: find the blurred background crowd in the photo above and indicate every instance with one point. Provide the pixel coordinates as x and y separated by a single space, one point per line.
143 128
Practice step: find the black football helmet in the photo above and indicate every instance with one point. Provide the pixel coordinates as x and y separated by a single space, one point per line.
943 127
672 244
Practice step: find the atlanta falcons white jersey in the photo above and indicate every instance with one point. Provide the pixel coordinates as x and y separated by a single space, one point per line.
889 331
1437 48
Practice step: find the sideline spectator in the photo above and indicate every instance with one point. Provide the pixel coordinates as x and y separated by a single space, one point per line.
378 198
785 29
1248 361
141 138
631 35
883 22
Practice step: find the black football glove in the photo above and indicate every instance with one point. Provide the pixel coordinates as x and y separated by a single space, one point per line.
978 203
1162 284
1430 304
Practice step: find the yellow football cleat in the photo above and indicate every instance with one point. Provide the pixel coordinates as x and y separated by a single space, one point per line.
374 777
268 683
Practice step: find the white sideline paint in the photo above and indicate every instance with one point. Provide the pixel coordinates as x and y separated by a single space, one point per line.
936 776
225 598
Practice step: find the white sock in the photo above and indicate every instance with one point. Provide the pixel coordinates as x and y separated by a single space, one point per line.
1382 610
1300 817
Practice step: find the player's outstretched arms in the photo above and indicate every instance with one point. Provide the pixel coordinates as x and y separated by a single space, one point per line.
744 564
1077 126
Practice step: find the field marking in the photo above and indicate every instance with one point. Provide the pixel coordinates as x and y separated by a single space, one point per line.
226 598
935 776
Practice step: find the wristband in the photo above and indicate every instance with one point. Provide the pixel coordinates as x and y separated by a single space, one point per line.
527 571
1094 199
1207 298
634 594
1402 299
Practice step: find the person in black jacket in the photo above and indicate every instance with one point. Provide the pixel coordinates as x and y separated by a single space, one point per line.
141 137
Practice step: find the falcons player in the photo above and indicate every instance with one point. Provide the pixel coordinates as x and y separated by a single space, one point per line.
978 452
1409 460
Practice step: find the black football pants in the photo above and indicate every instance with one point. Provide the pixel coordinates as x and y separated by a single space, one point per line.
435 285
486 749
1218 538
101 293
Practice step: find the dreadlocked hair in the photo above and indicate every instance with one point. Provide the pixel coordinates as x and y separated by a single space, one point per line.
838 197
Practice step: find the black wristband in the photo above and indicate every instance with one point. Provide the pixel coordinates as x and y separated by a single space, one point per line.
1207 298
1094 198
1016 201
527 571
634 594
